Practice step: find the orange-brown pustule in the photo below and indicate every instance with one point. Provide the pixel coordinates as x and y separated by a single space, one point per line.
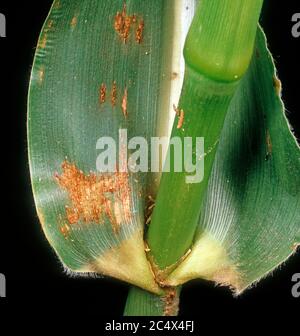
95 197
139 32
181 119
113 95
124 103
102 93
124 24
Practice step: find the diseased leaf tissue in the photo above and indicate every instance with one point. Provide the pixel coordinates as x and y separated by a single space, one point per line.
100 65
94 198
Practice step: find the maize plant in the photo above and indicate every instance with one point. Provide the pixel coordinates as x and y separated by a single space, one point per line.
172 69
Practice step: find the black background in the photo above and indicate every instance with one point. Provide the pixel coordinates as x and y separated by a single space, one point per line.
34 276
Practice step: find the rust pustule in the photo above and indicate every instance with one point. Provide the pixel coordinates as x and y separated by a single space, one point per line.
50 24
43 42
139 32
125 23
122 23
124 103
126 31
118 23
65 230
113 95
102 93
95 197
181 119
74 22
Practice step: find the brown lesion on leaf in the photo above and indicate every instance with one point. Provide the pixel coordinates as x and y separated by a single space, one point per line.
268 145
93 198
42 42
126 30
65 230
124 24
50 24
63 226
113 94
44 39
180 119
295 247
139 32
277 85
124 103
118 24
73 214
102 93
180 115
74 22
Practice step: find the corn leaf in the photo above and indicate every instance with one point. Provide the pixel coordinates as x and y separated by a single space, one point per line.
250 221
100 66
104 66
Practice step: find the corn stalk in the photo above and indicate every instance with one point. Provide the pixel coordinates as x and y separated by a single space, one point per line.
102 67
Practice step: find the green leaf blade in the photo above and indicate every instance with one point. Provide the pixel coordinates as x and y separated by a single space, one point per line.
252 204
79 50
